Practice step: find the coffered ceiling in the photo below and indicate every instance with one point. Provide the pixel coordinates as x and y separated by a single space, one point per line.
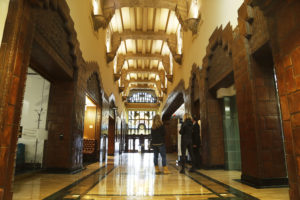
143 39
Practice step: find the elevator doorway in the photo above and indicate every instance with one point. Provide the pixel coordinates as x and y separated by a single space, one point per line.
33 127
90 145
231 134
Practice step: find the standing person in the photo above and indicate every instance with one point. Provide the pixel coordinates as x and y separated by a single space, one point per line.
186 132
158 143
196 142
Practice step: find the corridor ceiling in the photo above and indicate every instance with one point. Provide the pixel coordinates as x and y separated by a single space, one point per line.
143 39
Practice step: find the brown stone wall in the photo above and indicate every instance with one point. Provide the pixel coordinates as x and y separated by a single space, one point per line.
283 19
259 117
245 106
243 57
171 135
57 58
215 131
267 115
205 150
217 72
59 123
14 59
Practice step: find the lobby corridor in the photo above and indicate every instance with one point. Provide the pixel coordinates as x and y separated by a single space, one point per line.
131 176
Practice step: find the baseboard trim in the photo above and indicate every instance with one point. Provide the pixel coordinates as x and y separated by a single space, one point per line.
264 182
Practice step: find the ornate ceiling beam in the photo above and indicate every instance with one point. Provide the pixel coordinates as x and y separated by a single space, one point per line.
117 4
140 80
179 6
139 56
124 72
149 35
116 39
141 70
142 105
144 84
143 81
160 73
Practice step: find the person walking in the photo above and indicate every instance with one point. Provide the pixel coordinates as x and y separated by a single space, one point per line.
158 144
186 132
196 142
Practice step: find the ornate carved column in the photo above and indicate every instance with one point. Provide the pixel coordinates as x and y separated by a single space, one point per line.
283 19
14 60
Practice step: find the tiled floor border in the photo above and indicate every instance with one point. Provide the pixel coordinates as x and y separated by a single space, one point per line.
68 189
231 190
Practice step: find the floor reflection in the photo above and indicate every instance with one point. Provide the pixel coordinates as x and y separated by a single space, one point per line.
137 178
132 176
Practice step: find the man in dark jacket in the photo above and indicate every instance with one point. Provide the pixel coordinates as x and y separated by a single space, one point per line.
196 142
186 132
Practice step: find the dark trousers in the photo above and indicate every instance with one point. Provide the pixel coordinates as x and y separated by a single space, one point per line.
162 150
187 145
197 156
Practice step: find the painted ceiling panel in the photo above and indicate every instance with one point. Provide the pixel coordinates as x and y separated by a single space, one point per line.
132 19
135 64
125 66
139 63
171 26
155 63
139 20
163 19
148 46
157 19
130 62
122 49
160 66
113 23
139 45
150 18
165 49
126 17
119 21
129 45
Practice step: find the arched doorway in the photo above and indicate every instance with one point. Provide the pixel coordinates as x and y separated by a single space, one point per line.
92 120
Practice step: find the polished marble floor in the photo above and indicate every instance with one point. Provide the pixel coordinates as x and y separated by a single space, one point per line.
131 176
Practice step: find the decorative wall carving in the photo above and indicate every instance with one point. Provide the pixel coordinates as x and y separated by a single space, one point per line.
93 88
51 25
